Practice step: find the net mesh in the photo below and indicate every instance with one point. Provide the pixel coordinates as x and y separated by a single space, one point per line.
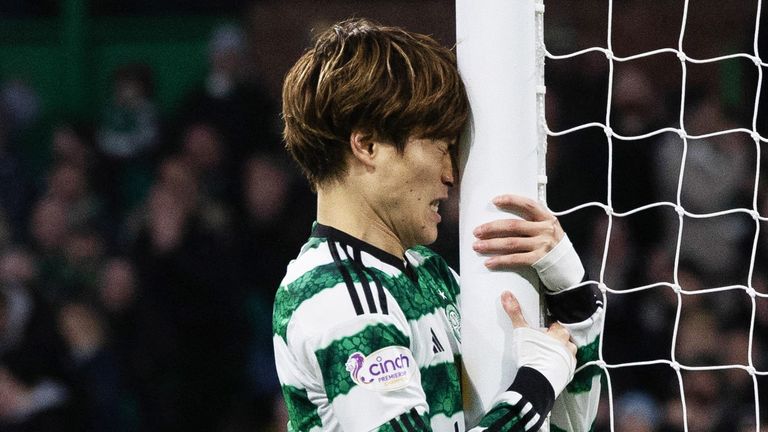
705 315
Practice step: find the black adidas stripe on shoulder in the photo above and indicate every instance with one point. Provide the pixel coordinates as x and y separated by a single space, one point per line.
368 281
347 278
380 293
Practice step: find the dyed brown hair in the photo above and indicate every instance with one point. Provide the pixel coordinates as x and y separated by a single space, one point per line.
383 81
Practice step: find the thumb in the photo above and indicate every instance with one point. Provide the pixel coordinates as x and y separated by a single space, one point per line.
512 307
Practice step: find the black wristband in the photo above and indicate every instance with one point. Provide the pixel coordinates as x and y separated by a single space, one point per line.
533 386
574 305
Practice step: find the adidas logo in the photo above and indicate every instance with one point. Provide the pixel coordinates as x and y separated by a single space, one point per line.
437 347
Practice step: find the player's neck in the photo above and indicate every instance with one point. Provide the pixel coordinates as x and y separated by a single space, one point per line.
346 210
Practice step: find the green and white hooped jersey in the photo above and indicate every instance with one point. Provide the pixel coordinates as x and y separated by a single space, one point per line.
365 341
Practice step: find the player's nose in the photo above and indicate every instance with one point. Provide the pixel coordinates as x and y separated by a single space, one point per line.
448 173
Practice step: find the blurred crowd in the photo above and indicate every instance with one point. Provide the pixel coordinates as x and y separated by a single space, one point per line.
139 252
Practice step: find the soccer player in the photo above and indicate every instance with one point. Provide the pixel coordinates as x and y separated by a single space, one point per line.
366 321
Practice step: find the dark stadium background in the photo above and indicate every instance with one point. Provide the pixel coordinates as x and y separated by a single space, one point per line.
147 210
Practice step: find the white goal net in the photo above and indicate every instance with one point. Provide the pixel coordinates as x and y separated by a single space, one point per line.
656 121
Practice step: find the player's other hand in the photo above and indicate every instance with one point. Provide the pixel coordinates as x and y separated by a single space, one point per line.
556 331
549 351
513 243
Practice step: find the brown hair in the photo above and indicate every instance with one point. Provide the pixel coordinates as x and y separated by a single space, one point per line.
383 81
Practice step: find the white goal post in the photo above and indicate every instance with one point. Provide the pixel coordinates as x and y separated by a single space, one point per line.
501 56
502 66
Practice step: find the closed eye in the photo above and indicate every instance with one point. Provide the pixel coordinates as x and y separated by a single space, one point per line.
445 147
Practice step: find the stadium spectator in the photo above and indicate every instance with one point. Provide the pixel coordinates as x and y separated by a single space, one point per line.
69 147
128 134
20 105
190 289
717 177
35 393
637 412
204 154
271 198
15 189
49 230
129 126
96 380
68 185
636 111
231 99
17 266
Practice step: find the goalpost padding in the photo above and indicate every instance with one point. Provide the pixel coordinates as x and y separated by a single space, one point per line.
497 56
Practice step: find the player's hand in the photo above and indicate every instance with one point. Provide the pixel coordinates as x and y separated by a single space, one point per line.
514 243
548 351
556 331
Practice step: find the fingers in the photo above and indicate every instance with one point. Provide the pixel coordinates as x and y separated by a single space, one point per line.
512 261
513 309
510 252
559 332
506 245
537 221
515 243
524 207
517 227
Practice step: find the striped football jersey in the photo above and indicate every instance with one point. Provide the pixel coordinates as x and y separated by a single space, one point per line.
367 341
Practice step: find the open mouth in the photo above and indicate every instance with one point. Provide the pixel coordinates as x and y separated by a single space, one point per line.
435 205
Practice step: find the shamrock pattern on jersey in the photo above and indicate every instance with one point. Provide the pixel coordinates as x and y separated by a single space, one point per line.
288 298
441 385
299 407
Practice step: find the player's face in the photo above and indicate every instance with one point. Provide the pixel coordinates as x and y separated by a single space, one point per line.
414 183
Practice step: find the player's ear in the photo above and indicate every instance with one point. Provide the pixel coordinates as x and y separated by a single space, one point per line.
363 146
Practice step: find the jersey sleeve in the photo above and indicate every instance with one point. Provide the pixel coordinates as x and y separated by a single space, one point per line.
580 310
577 305
369 372
523 407
531 397
355 367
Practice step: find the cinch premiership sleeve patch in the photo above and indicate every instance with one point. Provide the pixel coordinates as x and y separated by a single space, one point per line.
370 375
362 337
387 369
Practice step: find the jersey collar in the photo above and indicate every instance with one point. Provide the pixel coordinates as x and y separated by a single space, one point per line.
324 231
